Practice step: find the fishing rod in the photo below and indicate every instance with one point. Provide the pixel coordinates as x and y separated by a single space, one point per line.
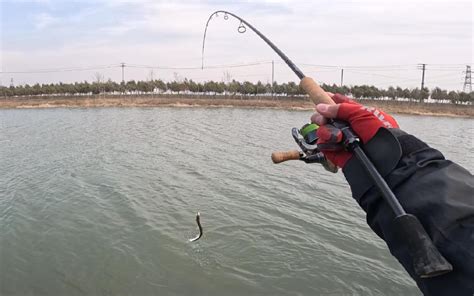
242 29
427 260
315 92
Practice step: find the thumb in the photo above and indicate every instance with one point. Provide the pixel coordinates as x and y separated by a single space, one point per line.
328 111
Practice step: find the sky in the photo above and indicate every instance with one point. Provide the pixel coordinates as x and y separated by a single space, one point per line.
376 42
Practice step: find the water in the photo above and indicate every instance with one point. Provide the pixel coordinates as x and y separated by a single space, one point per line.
102 202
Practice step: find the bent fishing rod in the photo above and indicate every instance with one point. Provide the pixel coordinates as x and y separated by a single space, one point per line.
315 92
427 260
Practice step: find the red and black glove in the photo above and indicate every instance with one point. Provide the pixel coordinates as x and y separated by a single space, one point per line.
365 122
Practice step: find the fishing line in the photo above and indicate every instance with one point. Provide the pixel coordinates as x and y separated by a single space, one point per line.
242 28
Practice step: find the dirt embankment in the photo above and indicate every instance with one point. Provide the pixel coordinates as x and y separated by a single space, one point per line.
299 103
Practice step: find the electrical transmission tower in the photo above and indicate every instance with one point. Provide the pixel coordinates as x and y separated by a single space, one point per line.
467 88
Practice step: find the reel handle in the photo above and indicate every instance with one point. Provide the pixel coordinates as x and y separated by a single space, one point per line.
282 156
315 92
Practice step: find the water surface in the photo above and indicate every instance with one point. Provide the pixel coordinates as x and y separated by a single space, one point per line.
102 202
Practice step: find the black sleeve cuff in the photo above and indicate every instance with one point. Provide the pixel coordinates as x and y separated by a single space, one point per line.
385 150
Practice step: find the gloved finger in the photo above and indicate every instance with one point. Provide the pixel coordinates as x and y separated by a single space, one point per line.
329 134
330 147
318 119
366 115
328 111
339 99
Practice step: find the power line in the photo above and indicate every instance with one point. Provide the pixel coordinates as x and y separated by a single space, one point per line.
57 70
388 79
323 71
399 67
444 75
390 67
446 71
449 65
376 74
200 68
123 65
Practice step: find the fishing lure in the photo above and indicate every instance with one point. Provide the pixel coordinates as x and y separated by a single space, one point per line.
198 222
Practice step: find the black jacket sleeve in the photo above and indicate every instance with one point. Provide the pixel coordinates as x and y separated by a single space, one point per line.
437 191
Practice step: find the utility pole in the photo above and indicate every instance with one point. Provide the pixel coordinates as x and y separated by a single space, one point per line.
123 68
273 76
151 81
467 88
423 68
342 77
11 83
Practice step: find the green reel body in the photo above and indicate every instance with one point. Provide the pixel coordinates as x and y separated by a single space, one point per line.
308 131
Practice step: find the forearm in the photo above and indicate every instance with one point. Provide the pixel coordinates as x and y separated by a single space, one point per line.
436 190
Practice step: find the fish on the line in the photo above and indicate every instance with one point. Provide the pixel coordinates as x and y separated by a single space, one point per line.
198 222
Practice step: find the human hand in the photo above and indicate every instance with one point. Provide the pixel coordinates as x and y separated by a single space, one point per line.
364 121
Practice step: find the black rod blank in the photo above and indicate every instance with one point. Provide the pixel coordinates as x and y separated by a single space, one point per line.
283 56
386 192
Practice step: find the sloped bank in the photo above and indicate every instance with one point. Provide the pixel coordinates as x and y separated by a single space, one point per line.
294 103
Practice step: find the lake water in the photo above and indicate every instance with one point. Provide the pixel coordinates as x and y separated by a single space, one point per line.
103 201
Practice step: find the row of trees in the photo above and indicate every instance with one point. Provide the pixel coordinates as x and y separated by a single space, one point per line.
231 88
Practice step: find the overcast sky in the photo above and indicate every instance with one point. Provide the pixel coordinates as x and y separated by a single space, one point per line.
377 42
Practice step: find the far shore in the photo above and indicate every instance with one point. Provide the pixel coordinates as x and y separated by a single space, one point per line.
297 103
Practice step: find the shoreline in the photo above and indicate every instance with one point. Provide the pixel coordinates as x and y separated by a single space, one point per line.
187 101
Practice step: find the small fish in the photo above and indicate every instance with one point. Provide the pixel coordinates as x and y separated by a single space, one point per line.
198 221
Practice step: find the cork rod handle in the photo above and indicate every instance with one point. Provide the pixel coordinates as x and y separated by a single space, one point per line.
282 156
315 92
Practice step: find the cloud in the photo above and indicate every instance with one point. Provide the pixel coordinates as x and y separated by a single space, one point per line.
165 33
44 20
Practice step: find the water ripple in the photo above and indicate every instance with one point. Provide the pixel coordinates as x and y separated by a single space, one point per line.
102 201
